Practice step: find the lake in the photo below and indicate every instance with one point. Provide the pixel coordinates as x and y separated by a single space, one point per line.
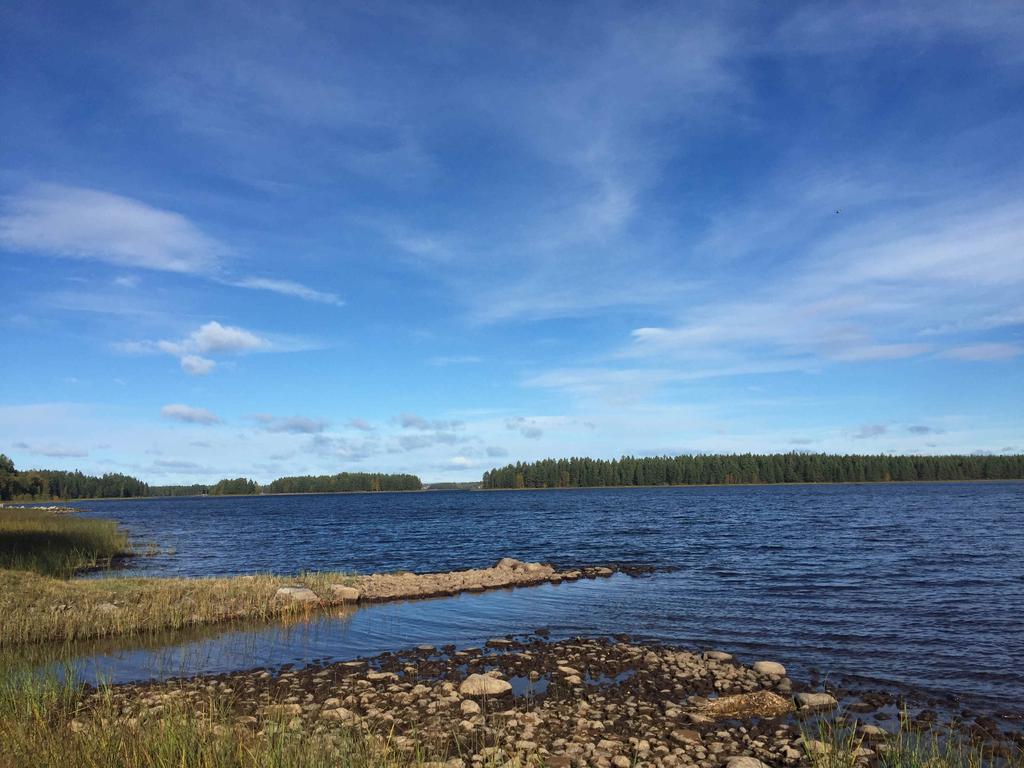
918 584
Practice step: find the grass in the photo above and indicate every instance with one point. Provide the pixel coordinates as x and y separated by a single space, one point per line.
836 744
46 723
39 608
57 545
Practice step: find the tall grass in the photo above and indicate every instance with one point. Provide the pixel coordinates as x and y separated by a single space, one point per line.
36 608
51 724
57 544
836 744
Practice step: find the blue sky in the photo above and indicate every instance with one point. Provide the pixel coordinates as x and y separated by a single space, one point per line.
267 239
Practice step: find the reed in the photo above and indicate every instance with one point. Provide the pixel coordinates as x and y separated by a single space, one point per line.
836 743
57 545
38 608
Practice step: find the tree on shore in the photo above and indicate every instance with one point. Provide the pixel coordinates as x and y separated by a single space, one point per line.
749 468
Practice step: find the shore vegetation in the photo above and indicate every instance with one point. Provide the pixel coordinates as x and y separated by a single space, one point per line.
58 545
40 608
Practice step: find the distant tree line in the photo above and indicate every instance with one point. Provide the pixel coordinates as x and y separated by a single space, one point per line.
58 484
750 468
344 481
36 484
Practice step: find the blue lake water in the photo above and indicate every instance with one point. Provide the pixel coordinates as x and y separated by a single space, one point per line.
919 584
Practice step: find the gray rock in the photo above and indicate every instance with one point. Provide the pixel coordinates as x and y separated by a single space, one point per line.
743 761
298 594
717 655
345 593
769 668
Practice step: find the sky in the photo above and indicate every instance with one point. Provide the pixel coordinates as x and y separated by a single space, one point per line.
263 239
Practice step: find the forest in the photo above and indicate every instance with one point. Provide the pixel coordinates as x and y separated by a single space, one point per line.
49 484
732 469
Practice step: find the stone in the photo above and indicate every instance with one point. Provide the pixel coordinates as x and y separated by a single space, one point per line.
340 714
298 594
620 761
686 736
873 731
345 593
717 656
469 707
743 761
816 701
509 562
376 677
483 685
769 668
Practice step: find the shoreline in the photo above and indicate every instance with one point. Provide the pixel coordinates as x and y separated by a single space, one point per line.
41 609
566 704
14 503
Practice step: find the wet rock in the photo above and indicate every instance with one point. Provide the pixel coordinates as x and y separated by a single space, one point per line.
483 685
816 701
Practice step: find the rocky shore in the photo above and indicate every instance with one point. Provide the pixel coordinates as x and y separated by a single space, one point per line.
584 702
507 572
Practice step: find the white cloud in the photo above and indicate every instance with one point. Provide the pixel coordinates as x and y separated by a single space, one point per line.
88 224
197 365
289 288
189 414
361 424
211 338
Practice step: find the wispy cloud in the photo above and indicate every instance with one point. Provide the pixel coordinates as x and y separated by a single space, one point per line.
868 431
295 425
189 414
289 288
88 224
52 450
415 421
985 351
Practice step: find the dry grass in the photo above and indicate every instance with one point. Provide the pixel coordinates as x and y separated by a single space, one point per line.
42 609
49 724
57 544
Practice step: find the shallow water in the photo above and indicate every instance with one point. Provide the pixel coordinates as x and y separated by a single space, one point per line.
917 584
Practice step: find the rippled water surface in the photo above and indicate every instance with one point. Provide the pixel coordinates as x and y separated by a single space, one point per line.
921 584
